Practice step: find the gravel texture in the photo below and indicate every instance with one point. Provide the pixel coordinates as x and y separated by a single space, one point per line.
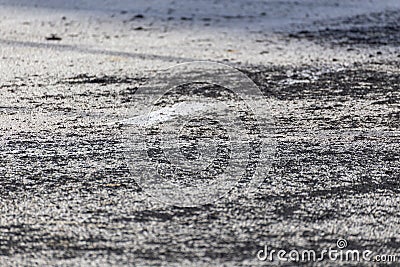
328 70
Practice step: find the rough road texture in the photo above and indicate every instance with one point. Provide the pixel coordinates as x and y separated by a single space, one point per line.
329 72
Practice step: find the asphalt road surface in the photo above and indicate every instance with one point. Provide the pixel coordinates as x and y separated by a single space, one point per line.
71 77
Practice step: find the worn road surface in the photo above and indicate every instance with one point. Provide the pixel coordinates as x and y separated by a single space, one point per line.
330 75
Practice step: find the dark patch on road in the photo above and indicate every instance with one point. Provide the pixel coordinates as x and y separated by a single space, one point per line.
103 80
309 83
374 29
53 37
